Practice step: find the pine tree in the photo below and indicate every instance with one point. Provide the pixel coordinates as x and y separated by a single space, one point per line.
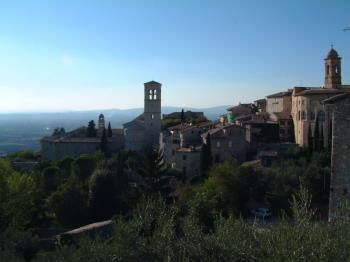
206 157
109 132
104 143
317 136
91 129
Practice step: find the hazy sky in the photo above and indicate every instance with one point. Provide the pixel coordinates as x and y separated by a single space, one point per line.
76 55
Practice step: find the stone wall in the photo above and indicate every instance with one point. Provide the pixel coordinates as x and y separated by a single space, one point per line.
340 166
55 150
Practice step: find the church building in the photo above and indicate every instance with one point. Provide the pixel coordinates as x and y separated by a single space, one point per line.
145 129
307 103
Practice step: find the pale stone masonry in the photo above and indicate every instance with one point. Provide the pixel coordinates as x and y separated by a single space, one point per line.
339 106
145 129
307 101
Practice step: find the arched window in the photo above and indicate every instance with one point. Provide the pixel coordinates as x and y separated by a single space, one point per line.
150 95
155 94
336 69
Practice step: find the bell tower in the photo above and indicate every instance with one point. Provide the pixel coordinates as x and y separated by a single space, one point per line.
332 70
152 111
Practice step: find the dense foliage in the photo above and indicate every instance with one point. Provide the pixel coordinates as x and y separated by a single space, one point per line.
160 215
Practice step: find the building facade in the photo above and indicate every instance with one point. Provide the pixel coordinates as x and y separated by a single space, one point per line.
279 108
227 141
339 108
307 102
145 129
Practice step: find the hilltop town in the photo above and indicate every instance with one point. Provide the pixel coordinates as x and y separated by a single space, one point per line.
258 132
181 178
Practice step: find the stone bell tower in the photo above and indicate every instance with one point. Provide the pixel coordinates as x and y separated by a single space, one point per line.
152 112
332 70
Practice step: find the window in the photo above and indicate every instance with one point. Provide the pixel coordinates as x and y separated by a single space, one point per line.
312 115
217 158
303 115
152 116
282 123
173 152
184 157
230 143
218 144
155 94
184 170
150 95
321 116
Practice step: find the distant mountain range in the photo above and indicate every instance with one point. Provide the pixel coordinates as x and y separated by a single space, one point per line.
19 131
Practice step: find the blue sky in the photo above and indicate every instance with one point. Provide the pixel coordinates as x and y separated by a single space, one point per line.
78 55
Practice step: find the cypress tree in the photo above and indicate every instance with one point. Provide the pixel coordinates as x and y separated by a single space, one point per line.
206 157
109 132
321 141
330 134
104 143
317 136
292 135
182 116
91 130
310 139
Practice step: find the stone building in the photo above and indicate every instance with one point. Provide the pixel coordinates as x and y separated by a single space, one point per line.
279 108
307 106
75 143
339 108
181 145
145 129
227 141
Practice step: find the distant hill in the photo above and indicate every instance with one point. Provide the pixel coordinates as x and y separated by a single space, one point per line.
20 131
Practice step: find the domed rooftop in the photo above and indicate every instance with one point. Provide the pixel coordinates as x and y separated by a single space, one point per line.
101 116
332 54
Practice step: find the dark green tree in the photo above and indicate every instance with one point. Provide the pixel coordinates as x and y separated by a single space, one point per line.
69 204
330 134
83 167
183 118
317 136
65 166
310 139
59 131
102 195
321 142
206 159
292 134
109 133
104 143
153 172
51 177
91 129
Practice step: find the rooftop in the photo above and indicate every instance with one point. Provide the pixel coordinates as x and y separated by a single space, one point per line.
281 94
320 91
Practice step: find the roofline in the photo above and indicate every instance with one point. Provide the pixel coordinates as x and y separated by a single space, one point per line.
335 98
